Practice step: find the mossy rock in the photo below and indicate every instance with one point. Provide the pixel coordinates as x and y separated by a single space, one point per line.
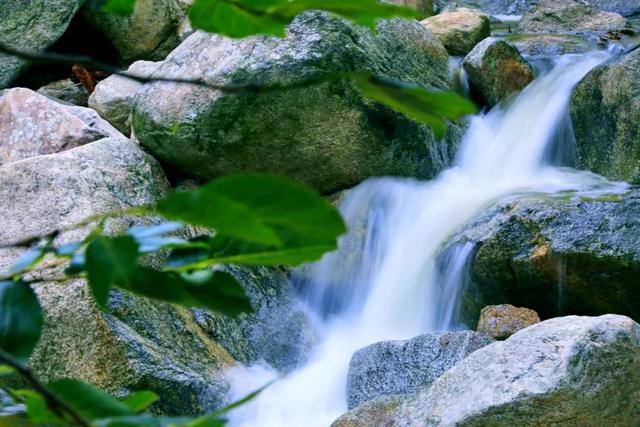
605 109
326 135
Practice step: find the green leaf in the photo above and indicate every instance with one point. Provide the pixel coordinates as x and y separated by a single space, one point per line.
110 261
6 370
214 290
258 208
236 18
27 260
88 401
428 107
242 18
363 12
140 400
37 409
20 319
119 7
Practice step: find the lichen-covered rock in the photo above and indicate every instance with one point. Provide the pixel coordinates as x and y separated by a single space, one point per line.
278 332
496 70
32 26
459 30
404 367
373 413
502 321
424 7
605 110
137 343
150 32
549 44
113 97
66 91
570 16
572 370
556 256
32 124
325 135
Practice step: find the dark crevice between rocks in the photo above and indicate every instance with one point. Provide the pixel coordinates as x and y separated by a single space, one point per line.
79 39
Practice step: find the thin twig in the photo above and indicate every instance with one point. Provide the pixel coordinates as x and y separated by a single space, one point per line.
94 64
59 407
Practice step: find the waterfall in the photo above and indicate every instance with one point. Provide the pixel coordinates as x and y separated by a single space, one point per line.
384 282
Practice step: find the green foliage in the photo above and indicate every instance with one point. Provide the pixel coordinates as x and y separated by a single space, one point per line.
242 18
118 7
432 108
20 319
89 402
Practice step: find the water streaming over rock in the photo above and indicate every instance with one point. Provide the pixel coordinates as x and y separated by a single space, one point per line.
385 282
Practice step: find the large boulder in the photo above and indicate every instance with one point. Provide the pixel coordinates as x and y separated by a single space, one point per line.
502 321
137 343
459 30
494 7
564 255
66 91
404 367
150 32
326 135
114 96
32 26
605 110
572 370
496 70
373 413
549 44
570 16
32 124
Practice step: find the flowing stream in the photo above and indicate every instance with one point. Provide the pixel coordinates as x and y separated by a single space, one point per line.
384 283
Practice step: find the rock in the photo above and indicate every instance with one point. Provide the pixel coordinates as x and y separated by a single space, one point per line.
150 32
374 413
32 124
623 7
496 70
459 30
424 7
569 16
279 332
502 321
33 26
325 135
404 367
138 343
572 370
113 97
549 44
66 91
495 7
606 119
556 256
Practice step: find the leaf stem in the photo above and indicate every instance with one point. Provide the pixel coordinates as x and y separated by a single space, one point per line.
59 407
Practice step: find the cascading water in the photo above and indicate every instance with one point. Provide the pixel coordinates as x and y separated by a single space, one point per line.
384 282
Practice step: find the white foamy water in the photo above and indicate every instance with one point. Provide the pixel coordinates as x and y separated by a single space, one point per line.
384 282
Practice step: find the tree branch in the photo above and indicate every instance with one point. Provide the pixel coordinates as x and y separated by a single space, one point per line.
96 65
59 407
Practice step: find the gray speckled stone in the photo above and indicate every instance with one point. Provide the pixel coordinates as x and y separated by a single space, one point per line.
113 97
582 371
556 256
32 124
31 25
326 135
405 367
